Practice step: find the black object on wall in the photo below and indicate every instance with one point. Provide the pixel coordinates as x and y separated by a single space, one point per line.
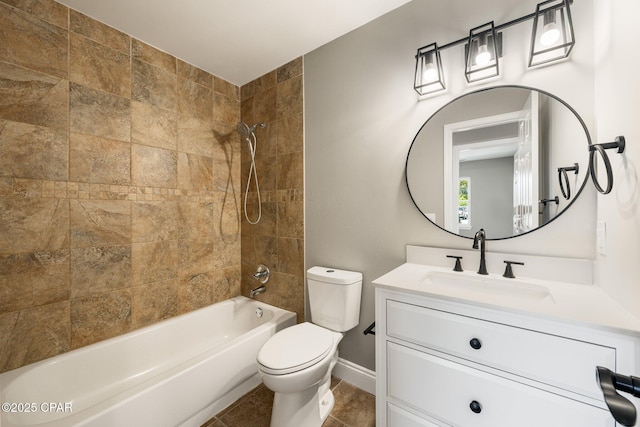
622 409
563 178
370 329
619 144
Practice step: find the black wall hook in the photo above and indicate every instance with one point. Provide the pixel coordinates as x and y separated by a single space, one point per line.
618 143
563 178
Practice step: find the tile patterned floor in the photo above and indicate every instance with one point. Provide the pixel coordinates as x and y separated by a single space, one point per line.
353 408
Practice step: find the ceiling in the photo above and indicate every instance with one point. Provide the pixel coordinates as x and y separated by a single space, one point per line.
237 40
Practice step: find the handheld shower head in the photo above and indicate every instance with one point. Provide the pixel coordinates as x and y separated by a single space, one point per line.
245 131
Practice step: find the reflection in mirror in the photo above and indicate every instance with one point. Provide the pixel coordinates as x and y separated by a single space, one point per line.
503 159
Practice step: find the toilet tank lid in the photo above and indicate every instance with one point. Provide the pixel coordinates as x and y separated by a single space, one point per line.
333 275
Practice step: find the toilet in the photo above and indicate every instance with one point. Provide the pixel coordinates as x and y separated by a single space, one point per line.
296 363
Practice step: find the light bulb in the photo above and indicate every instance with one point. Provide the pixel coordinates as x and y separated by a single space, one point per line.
430 73
483 57
550 31
550 34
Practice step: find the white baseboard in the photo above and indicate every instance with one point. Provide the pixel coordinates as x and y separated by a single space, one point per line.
357 375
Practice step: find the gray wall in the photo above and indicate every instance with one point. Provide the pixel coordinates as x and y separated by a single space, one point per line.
361 114
491 196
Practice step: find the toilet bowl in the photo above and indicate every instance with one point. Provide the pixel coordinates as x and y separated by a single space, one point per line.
295 367
296 363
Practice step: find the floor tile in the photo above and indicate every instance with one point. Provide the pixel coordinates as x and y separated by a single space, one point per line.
353 408
253 411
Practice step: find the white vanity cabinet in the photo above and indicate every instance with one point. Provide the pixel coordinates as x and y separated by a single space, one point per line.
443 362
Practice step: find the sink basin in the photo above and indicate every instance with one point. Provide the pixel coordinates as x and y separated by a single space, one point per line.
490 286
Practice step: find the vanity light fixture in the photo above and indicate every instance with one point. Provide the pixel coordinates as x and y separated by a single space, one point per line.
552 38
482 51
429 77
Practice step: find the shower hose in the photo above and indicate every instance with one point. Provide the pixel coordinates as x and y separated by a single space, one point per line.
254 172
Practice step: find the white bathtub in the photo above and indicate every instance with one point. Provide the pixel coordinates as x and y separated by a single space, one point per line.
181 371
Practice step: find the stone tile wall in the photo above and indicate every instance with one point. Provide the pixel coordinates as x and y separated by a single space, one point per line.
277 241
119 183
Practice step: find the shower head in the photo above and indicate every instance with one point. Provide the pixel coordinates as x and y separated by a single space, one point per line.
245 131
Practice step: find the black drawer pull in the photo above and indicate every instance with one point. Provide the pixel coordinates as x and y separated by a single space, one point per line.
475 343
475 406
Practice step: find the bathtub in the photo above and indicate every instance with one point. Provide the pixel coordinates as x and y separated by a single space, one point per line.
178 372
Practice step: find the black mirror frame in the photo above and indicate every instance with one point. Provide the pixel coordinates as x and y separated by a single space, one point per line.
575 113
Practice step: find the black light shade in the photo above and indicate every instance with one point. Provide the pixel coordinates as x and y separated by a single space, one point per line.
552 38
482 53
429 77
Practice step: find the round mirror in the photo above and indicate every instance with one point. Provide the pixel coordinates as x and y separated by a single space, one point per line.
508 159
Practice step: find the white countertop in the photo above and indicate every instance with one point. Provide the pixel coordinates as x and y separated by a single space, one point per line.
584 304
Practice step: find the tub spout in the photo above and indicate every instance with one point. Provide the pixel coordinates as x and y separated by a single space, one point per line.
257 291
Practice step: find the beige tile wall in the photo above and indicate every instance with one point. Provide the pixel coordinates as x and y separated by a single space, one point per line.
119 183
277 241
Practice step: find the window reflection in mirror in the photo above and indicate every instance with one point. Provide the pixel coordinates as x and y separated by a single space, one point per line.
464 203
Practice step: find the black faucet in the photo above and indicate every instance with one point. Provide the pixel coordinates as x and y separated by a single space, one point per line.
480 235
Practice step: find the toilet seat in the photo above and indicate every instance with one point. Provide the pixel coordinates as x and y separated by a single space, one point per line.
295 348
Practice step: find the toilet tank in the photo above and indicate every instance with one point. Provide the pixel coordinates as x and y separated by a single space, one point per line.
334 297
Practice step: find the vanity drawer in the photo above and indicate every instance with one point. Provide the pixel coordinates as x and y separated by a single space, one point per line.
462 396
561 362
398 417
